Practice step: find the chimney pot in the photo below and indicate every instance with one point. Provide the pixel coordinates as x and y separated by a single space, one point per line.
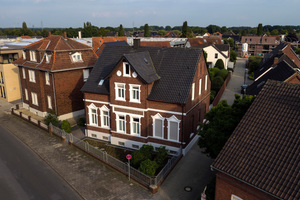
136 43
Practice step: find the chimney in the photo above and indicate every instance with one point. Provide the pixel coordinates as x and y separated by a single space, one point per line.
136 43
49 33
64 35
275 61
79 34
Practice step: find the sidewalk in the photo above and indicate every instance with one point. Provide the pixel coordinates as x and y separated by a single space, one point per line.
94 180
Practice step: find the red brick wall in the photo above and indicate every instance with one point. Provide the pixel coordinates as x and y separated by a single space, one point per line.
294 79
291 54
227 186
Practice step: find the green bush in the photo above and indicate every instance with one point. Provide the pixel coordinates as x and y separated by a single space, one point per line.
212 95
148 167
219 64
51 118
161 156
212 72
81 121
65 125
233 56
254 63
217 83
144 153
223 73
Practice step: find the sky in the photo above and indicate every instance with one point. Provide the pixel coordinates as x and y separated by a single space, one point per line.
129 13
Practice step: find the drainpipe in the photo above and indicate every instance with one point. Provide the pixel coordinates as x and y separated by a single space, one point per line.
54 96
181 144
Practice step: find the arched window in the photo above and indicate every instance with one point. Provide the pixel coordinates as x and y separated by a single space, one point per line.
173 128
158 126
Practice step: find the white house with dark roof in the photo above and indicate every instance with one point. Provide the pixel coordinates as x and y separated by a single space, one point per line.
214 53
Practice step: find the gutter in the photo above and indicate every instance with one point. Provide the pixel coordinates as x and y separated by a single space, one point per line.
54 96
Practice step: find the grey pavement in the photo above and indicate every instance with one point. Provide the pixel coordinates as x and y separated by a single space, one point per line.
94 180
236 81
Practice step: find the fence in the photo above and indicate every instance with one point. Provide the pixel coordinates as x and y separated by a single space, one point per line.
152 183
222 89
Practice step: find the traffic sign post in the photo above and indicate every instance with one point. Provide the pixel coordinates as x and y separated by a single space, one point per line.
128 156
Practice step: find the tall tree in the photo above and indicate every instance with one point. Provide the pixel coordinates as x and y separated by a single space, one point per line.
146 31
24 26
259 29
184 29
121 30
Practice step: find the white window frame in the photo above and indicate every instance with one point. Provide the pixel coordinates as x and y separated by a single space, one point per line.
31 76
117 87
86 74
34 98
118 123
158 117
132 91
234 197
133 123
200 86
125 64
26 94
47 78
93 117
47 57
76 57
206 76
193 91
102 110
49 102
32 56
23 71
24 55
173 119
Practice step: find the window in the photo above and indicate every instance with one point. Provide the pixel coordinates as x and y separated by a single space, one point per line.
47 78
26 94
32 56
49 102
76 57
200 86
158 126
23 72
250 40
234 197
126 69
93 117
121 123
193 91
34 98
48 57
135 126
205 82
120 91
31 76
173 128
86 73
24 55
216 55
135 93
104 116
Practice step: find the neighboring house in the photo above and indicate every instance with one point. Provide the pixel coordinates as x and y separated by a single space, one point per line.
9 73
155 44
261 158
147 95
119 43
258 45
52 72
97 42
214 54
204 41
232 35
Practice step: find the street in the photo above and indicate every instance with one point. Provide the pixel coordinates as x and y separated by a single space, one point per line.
24 176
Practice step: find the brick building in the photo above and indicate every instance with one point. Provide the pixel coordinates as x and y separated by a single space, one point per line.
52 72
261 158
147 95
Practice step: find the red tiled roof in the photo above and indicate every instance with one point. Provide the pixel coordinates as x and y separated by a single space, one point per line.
26 37
205 41
264 149
155 44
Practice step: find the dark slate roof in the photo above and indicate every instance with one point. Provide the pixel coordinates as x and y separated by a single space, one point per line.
263 151
222 47
176 68
118 43
280 72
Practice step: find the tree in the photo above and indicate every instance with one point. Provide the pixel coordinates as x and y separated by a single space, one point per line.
259 29
233 56
219 64
274 32
24 26
168 28
184 29
224 29
222 120
146 31
121 30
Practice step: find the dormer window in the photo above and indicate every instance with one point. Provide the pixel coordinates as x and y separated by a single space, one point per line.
126 69
48 57
32 56
24 55
76 57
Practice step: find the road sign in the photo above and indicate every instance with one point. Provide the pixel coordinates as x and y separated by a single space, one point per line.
203 196
128 156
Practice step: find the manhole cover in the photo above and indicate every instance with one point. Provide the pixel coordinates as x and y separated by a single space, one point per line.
187 189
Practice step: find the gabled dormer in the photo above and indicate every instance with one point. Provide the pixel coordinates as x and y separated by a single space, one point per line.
76 57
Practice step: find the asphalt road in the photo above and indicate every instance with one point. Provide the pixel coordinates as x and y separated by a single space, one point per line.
23 175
